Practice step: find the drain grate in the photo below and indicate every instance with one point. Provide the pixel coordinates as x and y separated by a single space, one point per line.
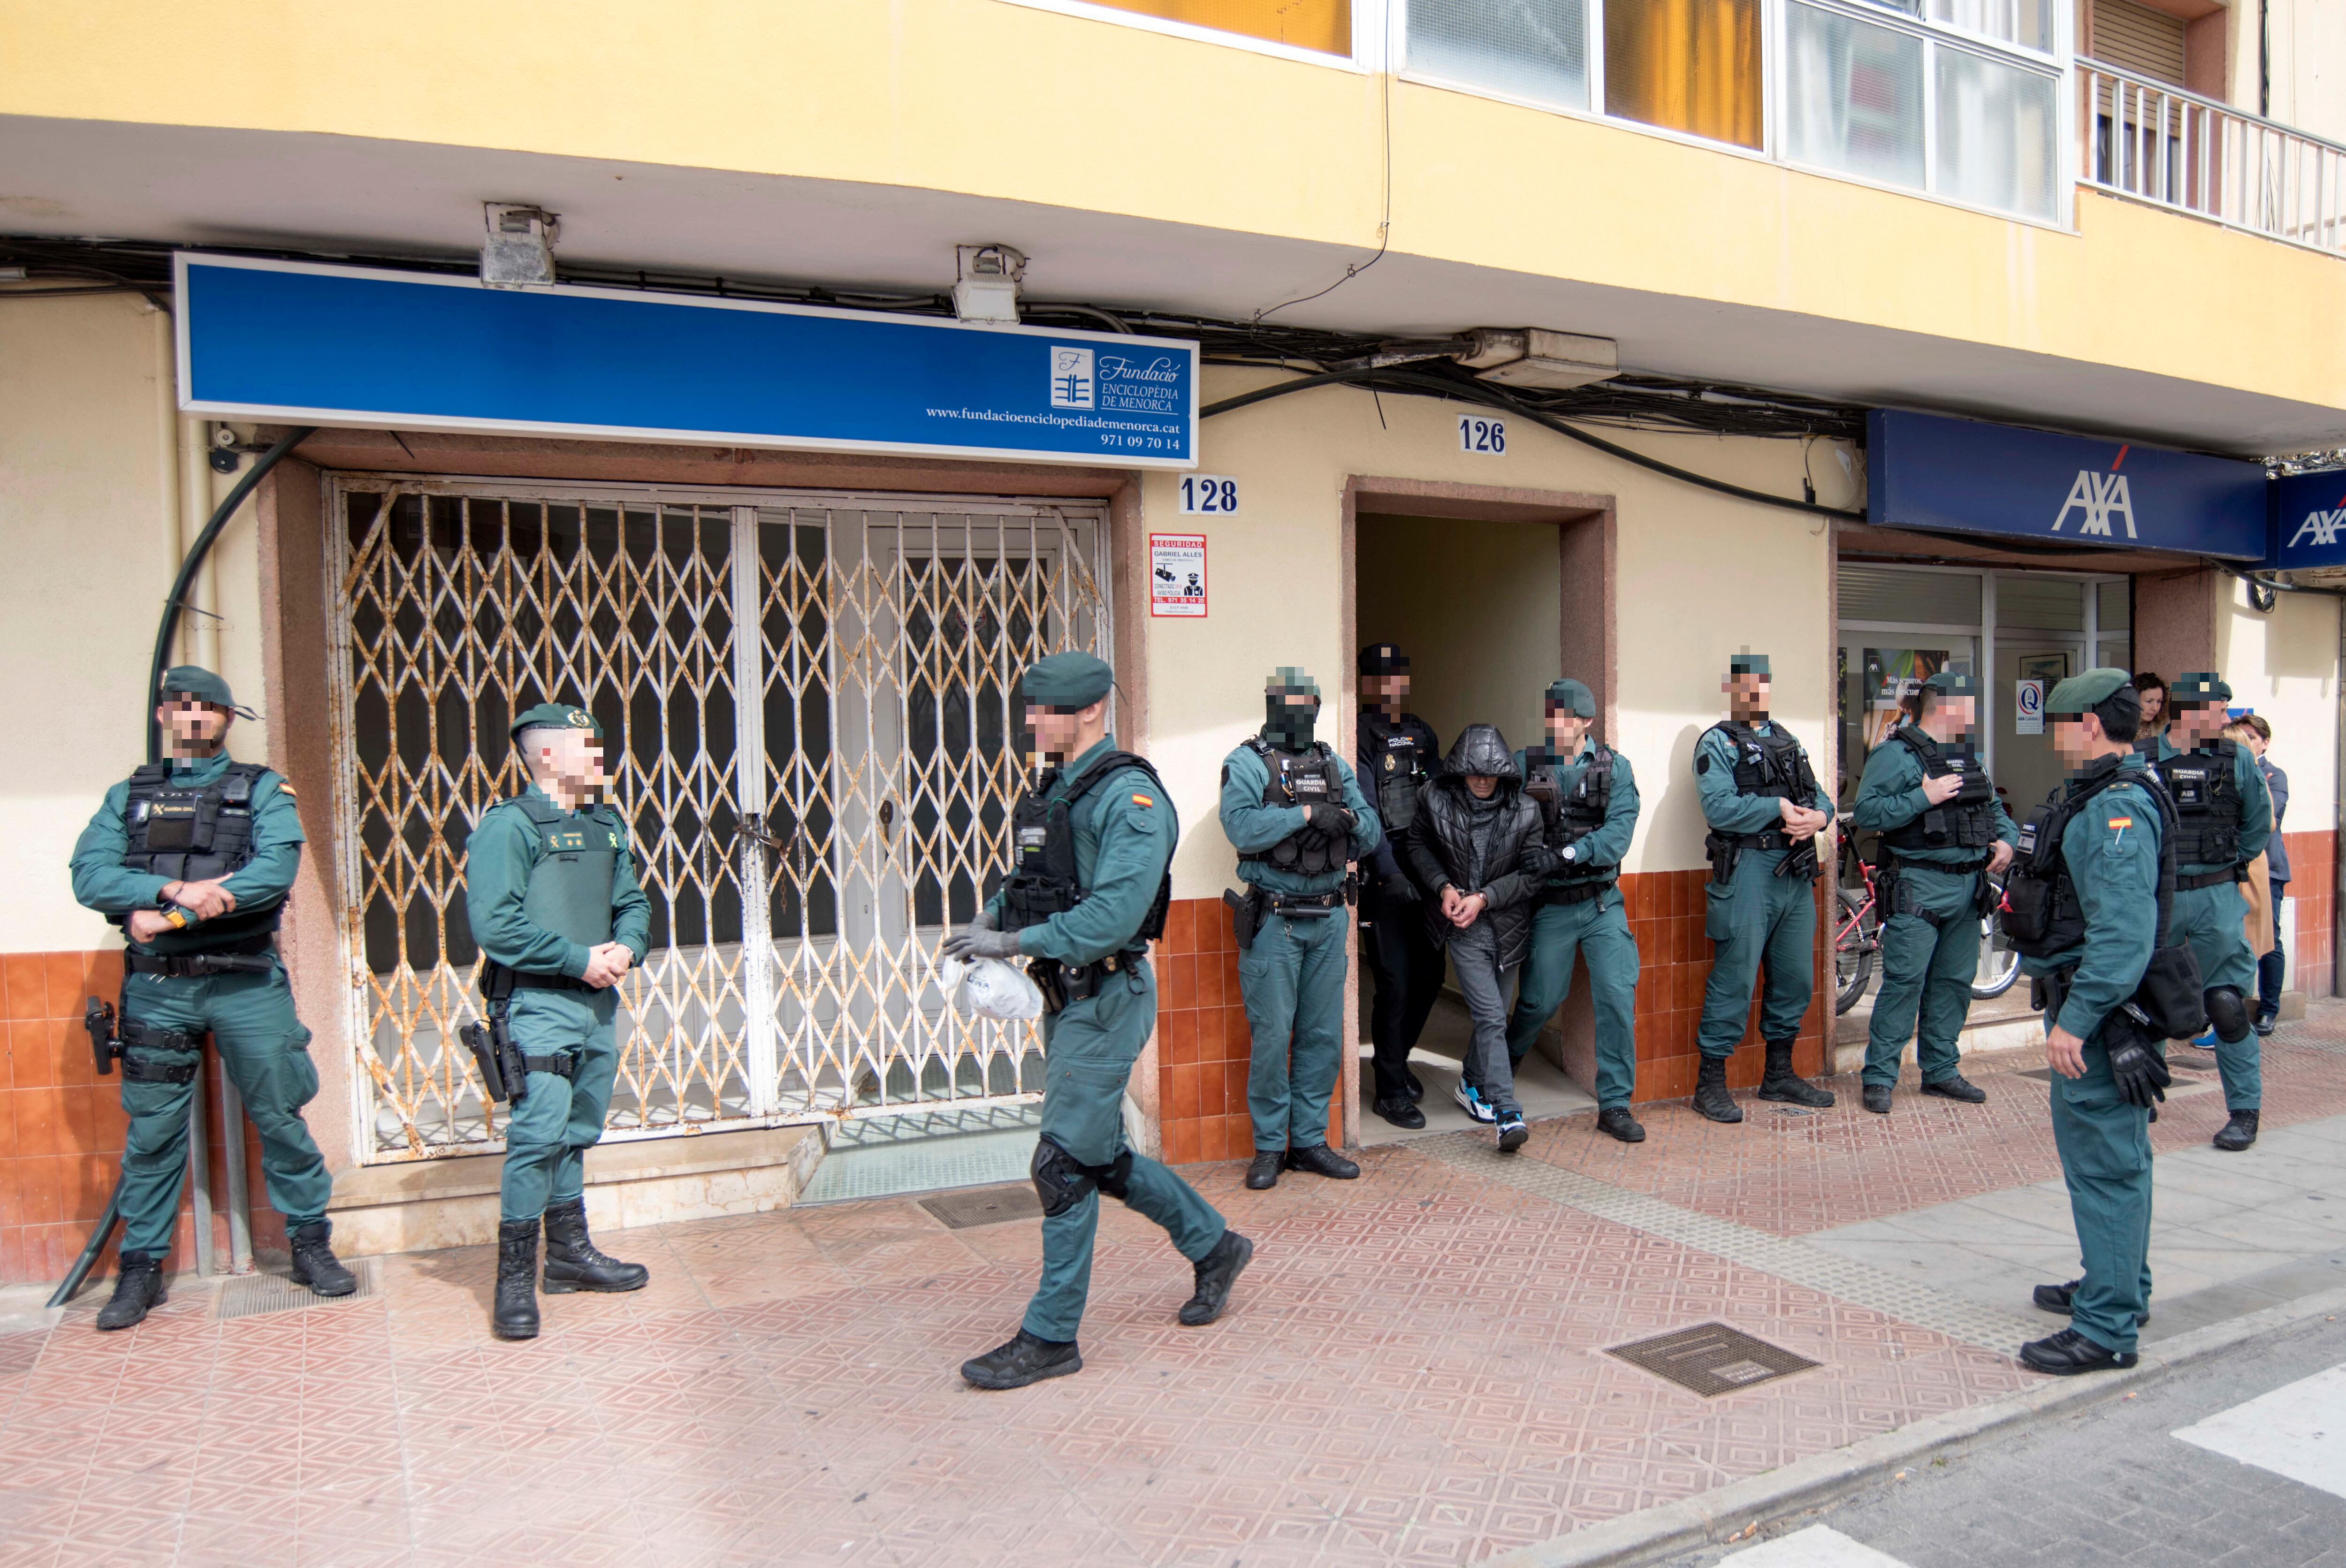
254 1295
1711 1359
984 1206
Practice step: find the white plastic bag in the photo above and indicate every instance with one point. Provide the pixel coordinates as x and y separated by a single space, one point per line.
990 988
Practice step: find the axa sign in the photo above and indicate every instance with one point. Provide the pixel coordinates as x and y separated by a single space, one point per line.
2309 522
1966 476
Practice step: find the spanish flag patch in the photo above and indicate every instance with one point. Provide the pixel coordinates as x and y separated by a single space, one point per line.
1143 801
2118 825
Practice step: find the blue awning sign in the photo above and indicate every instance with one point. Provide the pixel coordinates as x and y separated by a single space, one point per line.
1967 476
298 343
2309 522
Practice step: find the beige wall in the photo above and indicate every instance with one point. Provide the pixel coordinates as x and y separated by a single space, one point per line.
1702 575
90 498
1476 605
2285 666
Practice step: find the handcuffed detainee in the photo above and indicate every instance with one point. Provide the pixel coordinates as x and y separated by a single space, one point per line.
1087 891
192 856
550 891
1293 811
2092 883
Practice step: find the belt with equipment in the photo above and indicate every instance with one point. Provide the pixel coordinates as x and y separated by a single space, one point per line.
1305 906
1062 984
2206 879
256 956
1574 892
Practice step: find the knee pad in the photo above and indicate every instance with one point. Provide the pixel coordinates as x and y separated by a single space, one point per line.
2227 1013
1060 1179
1115 1177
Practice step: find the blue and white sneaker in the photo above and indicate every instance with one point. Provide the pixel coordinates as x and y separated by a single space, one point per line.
1470 1100
1513 1134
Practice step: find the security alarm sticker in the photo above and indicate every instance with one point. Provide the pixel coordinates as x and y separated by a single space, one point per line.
2028 708
1176 575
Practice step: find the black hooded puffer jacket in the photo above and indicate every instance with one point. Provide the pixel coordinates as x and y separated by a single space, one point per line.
1514 859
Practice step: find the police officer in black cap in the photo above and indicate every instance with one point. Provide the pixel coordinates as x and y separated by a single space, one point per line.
1394 758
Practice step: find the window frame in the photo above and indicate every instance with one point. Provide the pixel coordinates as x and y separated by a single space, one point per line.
1372 24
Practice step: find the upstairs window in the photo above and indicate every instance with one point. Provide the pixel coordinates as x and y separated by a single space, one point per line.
1322 26
1690 66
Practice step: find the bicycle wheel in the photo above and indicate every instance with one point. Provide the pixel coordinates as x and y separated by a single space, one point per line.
1856 934
1999 961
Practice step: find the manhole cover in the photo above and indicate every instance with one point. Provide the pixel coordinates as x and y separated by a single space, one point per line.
252 1295
1711 1359
984 1206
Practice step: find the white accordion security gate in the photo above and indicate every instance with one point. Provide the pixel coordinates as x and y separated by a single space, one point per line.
810 721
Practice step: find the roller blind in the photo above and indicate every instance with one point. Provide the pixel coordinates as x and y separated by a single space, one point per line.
1892 595
2146 42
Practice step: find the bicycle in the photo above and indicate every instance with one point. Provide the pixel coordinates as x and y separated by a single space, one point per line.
1857 938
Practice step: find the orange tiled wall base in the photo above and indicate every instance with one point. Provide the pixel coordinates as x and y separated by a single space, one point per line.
61 1125
1203 1041
2313 886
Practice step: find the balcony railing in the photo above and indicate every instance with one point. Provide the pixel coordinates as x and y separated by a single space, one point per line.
2158 143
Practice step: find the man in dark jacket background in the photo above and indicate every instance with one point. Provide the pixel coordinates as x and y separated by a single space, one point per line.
1476 845
1394 760
2252 731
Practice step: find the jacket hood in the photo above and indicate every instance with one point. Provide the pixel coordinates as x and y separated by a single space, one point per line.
1481 749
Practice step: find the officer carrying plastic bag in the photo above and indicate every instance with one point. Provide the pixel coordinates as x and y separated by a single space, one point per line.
990 988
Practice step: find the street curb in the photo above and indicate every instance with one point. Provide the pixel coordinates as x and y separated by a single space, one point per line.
1742 1508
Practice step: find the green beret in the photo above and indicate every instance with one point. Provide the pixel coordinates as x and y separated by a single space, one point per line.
1951 683
1747 664
555 715
2080 692
194 680
2199 686
1067 680
1571 694
1289 680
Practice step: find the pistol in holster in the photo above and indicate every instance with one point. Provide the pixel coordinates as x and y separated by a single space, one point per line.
1050 978
1723 854
1245 915
503 1075
105 1039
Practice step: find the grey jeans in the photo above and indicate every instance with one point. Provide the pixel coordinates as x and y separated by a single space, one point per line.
1488 991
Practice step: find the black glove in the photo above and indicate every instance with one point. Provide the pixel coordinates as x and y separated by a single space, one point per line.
976 942
1403 888
2142 1076
1328 817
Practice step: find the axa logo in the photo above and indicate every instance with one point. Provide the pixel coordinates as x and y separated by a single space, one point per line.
2099 500
2319 529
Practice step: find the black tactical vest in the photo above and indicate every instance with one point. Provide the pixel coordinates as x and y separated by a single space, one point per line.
1309 779
2207 803
197 835
1043 876
1774 764
2041 913
1401 771
1965 822
569 890
1572 815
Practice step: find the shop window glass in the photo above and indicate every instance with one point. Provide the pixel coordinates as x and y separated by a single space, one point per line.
1995 141
1536 49
1325 26
2040 604
1886 594
1853 96
1690 66
2027 23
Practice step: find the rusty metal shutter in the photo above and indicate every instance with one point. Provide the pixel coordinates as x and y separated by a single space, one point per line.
2136 38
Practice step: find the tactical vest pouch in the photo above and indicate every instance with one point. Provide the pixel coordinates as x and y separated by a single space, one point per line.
2172 995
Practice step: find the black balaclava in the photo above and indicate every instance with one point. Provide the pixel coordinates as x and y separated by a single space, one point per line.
1287 726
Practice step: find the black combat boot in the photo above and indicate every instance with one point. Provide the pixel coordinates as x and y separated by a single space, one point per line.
573 1262
314 1263
1262 1171
1956 1086
1322 1160
1780 1083
2067 1353
2238 1132
1616 1121
1710 1095
2060 1300
137 1291
1216 1273
515 1315
1877 1098
1402 1112
1023 1360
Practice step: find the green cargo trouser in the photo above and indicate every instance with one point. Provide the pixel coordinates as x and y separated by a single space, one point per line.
1088 1052
1926 967
2104 1147
266 1052
1597 929
1294 982
1759 917
547 1134
2214 921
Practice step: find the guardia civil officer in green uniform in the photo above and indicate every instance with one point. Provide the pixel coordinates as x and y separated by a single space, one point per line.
1086 893
550 890
192 856
1588 799
1766 814
2089 858
2226 813
1294 812
1943 834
